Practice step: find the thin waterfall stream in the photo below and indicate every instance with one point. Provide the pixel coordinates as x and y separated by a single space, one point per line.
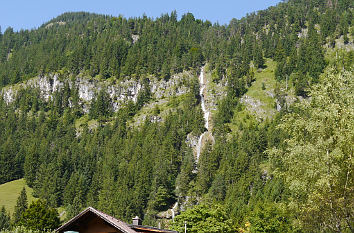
206 113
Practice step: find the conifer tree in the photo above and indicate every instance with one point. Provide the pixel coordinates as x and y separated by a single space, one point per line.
4 219
21 206
258 58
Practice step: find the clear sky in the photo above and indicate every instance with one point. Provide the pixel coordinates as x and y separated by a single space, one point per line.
28 14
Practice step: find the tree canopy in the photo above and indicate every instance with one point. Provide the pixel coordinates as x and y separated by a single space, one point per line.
39 216
288 172
203 218
316 161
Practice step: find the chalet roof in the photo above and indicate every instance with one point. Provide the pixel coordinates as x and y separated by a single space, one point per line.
122 226
116 223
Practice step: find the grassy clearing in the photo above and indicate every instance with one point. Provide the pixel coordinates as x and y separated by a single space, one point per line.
10 191
163 106
266 79
242 118
261 90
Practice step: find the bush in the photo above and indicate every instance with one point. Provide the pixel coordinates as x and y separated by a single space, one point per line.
22 229
39 216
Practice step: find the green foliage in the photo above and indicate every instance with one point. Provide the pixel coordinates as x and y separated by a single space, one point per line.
22 229
144 95
224 114
258 58
5 222
316 162
268 217
161 199
108 46
300 84
103 161
203 219
280 71
31 164
21 206
39 216
102 46
101 106
186 175
10 192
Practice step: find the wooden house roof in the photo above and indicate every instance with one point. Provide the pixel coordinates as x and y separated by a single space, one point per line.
82 217
118 224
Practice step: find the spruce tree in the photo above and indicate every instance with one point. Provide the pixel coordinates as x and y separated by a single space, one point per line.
21 206
4 219
258 58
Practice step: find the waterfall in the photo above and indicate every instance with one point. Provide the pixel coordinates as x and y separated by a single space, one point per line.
202 84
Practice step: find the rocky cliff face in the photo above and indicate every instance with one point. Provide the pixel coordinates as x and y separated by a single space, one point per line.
89 87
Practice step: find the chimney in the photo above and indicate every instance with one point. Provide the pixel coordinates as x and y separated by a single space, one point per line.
136 221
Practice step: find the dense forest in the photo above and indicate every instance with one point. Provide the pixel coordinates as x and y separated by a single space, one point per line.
292 172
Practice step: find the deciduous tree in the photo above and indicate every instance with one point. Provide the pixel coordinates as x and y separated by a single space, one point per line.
39 216
317 161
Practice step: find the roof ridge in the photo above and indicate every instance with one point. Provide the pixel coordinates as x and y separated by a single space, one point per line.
119 224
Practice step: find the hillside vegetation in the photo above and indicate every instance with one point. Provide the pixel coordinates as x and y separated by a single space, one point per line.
9 192
106 111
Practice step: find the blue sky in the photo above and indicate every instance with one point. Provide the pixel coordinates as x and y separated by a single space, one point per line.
28 14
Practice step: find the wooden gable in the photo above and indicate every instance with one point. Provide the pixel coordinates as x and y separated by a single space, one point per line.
90 223
93 221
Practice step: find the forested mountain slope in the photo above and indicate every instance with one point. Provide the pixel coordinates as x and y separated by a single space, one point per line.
106 112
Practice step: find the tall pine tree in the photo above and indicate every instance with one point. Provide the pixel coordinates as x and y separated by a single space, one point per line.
21 206
4 219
